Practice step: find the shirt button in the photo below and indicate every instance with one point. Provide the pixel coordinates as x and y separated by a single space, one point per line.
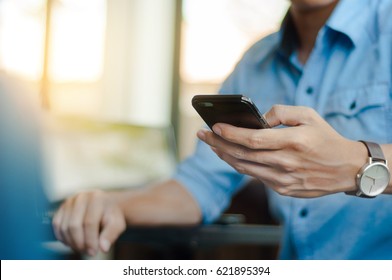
303 213
353 105
309 90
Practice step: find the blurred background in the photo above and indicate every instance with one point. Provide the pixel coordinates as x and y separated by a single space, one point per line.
114 79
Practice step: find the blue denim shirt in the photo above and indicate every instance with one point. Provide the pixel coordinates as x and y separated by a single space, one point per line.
347 79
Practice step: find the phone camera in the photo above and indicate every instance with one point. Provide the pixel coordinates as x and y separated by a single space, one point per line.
206 104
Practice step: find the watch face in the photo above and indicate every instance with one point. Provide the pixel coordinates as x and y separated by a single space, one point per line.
374 179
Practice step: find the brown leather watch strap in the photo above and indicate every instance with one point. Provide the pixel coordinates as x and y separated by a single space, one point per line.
374 151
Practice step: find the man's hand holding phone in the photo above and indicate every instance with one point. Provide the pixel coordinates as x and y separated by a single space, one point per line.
306 158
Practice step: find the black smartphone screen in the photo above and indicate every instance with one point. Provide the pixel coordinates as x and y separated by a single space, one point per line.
236 110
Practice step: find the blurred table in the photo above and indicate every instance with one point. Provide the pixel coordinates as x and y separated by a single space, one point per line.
216 241
205 235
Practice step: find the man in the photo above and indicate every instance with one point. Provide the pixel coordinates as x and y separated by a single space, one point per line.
330 57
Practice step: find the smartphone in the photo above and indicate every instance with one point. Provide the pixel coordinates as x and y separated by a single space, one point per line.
237 110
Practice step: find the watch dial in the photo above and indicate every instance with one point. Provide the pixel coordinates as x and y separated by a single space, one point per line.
374 180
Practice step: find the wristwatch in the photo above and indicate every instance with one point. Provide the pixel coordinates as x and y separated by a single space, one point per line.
373 178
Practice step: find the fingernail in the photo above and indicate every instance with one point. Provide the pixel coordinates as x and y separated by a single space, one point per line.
217 129
91 252
105 245
201 134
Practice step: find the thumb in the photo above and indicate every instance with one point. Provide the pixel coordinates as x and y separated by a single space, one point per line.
112 227
289 115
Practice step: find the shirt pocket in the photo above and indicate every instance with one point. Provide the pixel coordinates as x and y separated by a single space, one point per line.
361 113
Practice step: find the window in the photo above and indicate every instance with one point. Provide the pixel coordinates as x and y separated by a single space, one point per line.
105 59
74 50
22 25
107 69
77 40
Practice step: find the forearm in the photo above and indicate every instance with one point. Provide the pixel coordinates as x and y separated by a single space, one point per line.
358 156
166 203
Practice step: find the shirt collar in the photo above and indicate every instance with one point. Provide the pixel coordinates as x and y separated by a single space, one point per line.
350 18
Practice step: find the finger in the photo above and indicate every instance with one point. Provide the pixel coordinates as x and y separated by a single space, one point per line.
76 222
236 150
260 171
92 222
214 140
289 115
276 158
113 224
280 181
56 223
264 139
65 224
